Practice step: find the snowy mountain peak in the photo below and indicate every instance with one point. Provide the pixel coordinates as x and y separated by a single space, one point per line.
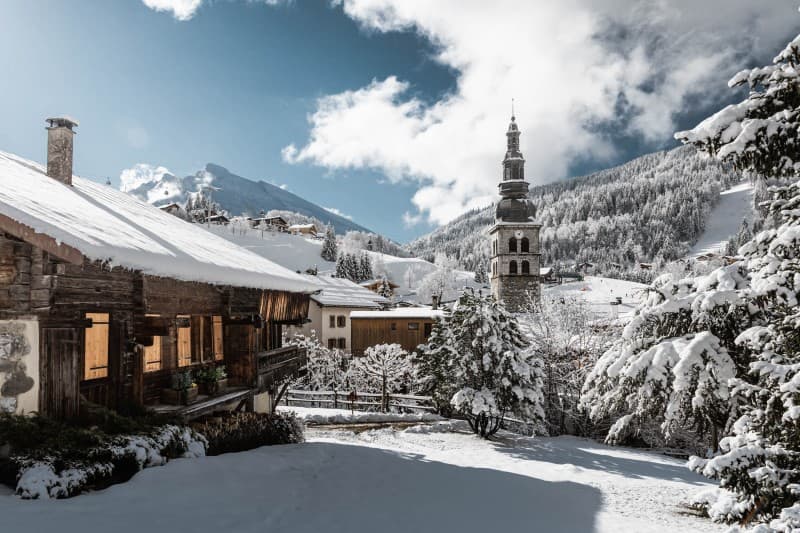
236 194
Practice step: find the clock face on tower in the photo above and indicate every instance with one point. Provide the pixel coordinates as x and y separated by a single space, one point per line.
518 234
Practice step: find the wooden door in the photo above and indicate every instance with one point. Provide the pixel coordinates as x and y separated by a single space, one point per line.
60 372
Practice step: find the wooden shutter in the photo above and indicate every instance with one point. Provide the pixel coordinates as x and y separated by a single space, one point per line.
95 358
218 338
184 344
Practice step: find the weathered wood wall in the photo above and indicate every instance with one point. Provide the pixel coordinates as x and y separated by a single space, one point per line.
34 283
366 332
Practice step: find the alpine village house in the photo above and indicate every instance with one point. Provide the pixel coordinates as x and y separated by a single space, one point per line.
106 298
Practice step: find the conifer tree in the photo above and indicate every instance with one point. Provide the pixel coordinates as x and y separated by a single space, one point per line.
748 312
479 354
329 248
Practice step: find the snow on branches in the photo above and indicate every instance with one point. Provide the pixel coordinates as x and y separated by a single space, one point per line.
761 132
478 357
384 368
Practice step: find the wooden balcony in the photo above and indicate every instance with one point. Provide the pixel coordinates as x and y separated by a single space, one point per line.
276 365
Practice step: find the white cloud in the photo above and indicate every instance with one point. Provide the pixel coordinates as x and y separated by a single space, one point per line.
571 65
186 9
181 9
337 212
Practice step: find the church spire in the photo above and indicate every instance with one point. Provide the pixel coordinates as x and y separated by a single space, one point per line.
513 162
514 205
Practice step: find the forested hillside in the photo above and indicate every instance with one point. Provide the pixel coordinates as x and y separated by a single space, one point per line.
650 209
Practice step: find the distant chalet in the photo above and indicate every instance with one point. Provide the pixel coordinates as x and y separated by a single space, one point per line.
107 297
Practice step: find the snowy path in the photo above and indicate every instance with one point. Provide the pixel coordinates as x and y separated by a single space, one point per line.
734 204
626 490
388 481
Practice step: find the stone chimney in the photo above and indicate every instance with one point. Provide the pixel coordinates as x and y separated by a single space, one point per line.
59 148
435 302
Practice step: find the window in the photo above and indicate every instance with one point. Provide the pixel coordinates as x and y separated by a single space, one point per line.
413 326
393 327
512 267
341 320
216 323
494 268
512 244
526 267
494 247
525 245
342 345
95 354
184 341
332 321
331 344
428 329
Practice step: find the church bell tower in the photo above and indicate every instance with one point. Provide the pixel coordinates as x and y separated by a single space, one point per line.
515 255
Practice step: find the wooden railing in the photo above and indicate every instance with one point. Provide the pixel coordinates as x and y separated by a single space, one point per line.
273 366
363 401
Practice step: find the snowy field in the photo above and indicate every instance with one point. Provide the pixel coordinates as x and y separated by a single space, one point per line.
426 478
599 292
734 205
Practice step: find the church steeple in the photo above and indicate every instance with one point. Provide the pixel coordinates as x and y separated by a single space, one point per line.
513 163
515 254
514 205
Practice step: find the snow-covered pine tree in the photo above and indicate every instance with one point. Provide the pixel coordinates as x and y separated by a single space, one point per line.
673 361
340 267
352 267
384 368
365 267
385 288
743 319
329 249
490 367
481 275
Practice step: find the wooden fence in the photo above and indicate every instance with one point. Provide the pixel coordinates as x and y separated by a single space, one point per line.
363 401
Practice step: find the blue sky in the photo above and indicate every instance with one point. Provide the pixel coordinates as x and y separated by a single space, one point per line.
389 111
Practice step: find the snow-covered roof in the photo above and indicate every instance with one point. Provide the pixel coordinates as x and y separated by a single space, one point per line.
105 224
545 271
404 312
303 226
340 292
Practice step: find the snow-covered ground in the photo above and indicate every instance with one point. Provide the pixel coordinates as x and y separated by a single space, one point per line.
387 480
598 292
734 205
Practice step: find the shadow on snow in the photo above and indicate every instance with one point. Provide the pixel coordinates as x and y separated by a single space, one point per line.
316 487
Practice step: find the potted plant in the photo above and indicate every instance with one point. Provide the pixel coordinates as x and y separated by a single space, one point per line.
183 390
212 379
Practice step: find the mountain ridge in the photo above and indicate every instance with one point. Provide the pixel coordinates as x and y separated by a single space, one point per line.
236 194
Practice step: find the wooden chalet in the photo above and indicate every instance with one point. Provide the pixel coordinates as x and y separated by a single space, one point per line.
275 223
375 285
409 327
303 229
105 297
